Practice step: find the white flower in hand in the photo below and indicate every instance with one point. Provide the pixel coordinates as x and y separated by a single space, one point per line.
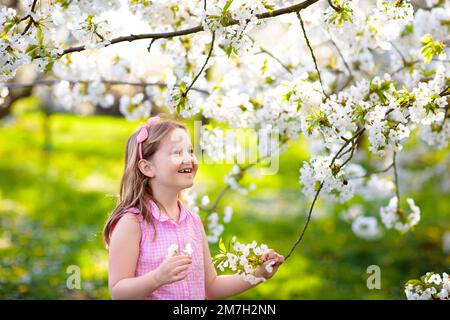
171 250
188 249
269 266
271 262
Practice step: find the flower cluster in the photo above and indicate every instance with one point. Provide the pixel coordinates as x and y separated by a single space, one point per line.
395 217
242 259
39 35
219 16
321 171
13 45
376 29
432 286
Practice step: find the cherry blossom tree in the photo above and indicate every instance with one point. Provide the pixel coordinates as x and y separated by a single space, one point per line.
339 72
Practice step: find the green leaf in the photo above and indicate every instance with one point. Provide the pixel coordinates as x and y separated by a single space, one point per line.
431 48
414 282
226 6
219 256
49 66
316 186
287 96
40 36
269 80
222 246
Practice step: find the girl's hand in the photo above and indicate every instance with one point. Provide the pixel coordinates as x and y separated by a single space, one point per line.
173 269
271 258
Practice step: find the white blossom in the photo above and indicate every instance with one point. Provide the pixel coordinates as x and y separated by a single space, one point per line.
172 249
393 217
366 227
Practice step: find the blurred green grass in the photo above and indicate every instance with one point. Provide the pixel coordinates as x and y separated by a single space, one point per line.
53 206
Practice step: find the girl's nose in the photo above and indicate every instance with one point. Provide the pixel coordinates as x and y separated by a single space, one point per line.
188 157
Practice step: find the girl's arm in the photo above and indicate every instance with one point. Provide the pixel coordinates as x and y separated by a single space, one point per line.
219 287
123 255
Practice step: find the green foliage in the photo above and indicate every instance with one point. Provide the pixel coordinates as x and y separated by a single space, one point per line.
342 13
431 48
317 119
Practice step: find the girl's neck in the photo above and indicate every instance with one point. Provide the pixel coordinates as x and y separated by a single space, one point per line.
170 202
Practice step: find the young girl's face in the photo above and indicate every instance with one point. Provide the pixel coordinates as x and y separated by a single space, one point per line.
175 154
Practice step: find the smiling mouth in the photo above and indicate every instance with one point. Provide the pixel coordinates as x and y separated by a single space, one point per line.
187 170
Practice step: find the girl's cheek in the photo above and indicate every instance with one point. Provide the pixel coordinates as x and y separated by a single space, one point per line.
174 161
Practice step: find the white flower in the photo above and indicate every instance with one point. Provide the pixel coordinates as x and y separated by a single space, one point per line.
366 227
435 278
3 94
215 229
269 266
431 286
188 249
392 218
172 249
205 200
252 279
227 214
352 213
318 171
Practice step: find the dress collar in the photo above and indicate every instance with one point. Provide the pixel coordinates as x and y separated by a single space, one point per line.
162 216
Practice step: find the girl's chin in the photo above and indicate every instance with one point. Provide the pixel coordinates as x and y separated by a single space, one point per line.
183 186
186 182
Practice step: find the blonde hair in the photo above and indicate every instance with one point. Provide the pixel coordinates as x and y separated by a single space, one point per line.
135 189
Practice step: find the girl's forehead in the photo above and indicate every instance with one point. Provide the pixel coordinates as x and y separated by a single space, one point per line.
176 137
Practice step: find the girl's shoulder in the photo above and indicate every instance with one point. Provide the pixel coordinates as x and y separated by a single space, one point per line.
128 222
133 213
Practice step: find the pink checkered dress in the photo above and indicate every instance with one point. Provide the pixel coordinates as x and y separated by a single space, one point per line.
168 232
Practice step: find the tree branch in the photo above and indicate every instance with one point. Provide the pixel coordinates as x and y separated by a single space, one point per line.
330 2
178 33
33 6
306 224
347 142
311 50
184 94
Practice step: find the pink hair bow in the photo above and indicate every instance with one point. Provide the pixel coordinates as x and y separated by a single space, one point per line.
143 133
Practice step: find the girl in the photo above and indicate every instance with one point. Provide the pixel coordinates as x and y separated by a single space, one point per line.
150 218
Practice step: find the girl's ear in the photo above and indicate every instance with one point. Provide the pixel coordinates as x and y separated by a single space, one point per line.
147 168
